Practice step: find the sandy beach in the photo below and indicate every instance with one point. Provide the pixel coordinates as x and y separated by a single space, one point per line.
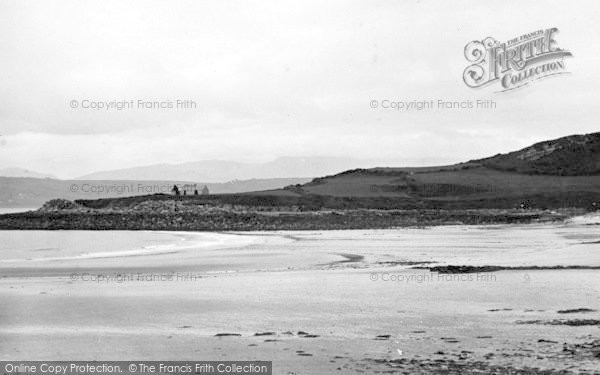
311 302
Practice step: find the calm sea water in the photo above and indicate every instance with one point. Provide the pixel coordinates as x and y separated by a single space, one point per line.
575 243
53 248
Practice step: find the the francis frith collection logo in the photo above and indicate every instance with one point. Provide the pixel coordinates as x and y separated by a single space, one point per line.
515 63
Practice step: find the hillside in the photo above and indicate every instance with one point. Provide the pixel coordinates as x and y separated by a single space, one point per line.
552 173
468 181
574 155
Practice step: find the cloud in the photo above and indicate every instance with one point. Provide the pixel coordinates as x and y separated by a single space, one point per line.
273 78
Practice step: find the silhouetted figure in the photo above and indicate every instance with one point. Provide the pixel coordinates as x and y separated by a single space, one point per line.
205 190
175 190
196 192
184 192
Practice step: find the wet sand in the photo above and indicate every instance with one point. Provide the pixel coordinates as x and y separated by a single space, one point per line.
322 302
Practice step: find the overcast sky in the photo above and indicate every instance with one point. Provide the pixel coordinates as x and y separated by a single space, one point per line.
276 78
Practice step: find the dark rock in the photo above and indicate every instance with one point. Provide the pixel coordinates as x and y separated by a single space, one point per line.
573 311
383 337
264 334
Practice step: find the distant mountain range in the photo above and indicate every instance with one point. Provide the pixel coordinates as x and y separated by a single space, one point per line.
22 172
221 170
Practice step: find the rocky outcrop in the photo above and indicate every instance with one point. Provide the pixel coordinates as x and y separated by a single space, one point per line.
59 205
